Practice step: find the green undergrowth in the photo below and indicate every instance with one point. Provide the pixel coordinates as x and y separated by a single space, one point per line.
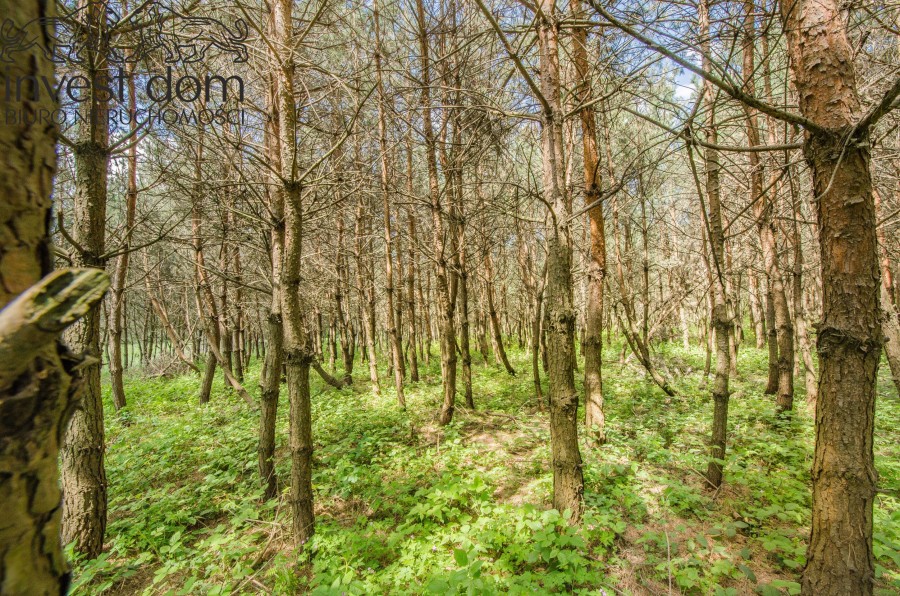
404 506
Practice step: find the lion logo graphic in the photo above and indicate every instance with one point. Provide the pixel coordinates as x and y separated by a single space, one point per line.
154 31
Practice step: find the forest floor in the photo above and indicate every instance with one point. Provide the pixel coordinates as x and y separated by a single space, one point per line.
404 506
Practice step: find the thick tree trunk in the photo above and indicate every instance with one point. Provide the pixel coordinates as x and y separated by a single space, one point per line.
38 387
84 446
840 558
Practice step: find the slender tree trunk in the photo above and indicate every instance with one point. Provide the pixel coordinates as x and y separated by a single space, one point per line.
890 324
720 319
771 340
270 378
393 330
298 352
812 390
341 283
411 293
463 299
596 266
446 301
496 335
784 329
756 312
117 295
568 480
366 283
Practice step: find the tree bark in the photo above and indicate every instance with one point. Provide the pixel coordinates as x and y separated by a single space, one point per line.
890 323
38 385
784 329
270 378
721 322
118 286
756 312
592 345
840 558
568 479
446 301
393 330
84 445
298 352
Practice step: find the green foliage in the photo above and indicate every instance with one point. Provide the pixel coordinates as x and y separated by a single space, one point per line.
406 507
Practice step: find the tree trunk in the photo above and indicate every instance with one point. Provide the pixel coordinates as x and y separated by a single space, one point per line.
298 353
446 301
756 312
890 324
721 317
596 266
839 558
463 299
38 387
568 479
411 293
784 329
118 288
772 340
393 330
270 378
84 446
366 283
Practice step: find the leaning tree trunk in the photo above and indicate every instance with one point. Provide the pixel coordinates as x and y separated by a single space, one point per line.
37 379
840 558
